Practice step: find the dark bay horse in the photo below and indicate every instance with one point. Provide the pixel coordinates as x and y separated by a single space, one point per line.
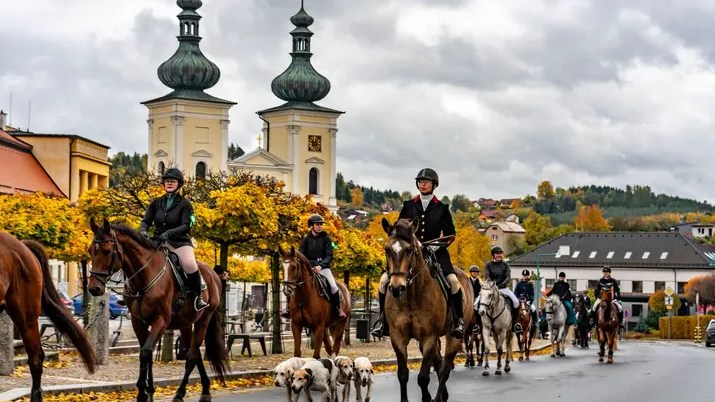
416 308
473 340
583 326
26 289
150 293
607 325
308 309
529 330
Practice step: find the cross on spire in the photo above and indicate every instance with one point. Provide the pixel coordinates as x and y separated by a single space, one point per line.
260 140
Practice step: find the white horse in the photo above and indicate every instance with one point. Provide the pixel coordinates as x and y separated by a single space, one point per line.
556 315
495 311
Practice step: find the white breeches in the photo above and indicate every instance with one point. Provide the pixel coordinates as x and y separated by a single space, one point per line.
454 284
328 274
187 257
597 304
507 292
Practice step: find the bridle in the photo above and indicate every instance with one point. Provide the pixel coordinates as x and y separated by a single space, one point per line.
293 285
409 275
116 252
495 295
554 308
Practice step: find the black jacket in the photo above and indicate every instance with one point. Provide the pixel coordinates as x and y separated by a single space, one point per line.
603 282
435 221
476 286
499 272
525 290
561 289
318 250
177 220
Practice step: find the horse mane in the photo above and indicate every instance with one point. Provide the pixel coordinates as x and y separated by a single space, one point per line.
132 234
403 230
304 260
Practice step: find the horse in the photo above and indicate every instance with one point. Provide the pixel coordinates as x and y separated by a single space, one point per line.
308 308
556 315
473 340
416 308
495 309
583 327
528 332
607 325
157 303
26 290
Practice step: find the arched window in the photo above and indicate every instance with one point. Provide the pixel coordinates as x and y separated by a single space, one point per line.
201 170
161 167
313 181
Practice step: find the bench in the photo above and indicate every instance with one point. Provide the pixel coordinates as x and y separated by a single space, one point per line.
45 326
247 342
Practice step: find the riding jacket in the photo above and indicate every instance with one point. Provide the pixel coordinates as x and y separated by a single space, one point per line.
525 290
561 289
476 286
603 282
435 222
176 220
317 249
499 272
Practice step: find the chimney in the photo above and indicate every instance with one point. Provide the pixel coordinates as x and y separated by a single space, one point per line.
3 115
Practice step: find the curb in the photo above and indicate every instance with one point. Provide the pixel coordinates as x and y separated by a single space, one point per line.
19 393
22 360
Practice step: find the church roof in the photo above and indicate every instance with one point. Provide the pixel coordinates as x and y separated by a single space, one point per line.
247 157
20 171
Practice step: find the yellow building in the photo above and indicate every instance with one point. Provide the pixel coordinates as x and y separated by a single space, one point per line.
188 128
298 145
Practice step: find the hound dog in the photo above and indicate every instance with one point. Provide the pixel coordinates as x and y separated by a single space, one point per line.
363 373
283 373
345 376
316 375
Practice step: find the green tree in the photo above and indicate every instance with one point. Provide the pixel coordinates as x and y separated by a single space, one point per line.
460 202
641 326
235 151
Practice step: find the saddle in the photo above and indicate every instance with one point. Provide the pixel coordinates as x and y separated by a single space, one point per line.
181 280
324 288
436 272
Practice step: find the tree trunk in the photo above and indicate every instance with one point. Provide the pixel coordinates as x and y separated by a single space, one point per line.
167 346
7 350
346 279
223 261
277 345
368 306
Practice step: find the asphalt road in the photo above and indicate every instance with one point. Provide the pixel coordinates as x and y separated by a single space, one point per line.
652 372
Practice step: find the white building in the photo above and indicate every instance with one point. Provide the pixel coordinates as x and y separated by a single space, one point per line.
642 263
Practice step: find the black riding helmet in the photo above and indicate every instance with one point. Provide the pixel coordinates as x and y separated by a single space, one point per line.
497 249
315 218
474 268
428 174
525 272
606 269
173 173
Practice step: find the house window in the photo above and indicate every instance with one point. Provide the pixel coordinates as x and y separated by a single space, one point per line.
593 254
495 237
659 285
550 283
313 181
628 255
646 254
161 167
592 284
575 254
663 255
610 254
637 310
681 287
572 284
637 287
201 170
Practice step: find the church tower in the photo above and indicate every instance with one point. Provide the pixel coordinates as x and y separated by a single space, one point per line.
298 145
188 128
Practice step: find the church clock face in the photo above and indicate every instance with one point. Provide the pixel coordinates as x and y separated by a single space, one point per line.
314 143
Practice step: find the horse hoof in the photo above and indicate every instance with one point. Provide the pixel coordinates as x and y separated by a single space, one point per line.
527 358
177 399
507 369
553 355
521 358
498 372
610 361
485 373
205 398
600 359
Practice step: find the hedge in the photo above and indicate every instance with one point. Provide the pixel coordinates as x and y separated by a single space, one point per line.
683 327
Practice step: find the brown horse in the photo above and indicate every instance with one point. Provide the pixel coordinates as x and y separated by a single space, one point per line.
473 340
527 334
151 294
607 325
308 309
416 308
26 289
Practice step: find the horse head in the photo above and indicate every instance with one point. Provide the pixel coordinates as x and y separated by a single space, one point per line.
402 250
524 310
106 255
488 297
606 295
552 305
296 269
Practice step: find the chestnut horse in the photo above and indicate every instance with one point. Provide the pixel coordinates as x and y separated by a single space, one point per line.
310 310
607 325
529 331
26 289
416 308
150 293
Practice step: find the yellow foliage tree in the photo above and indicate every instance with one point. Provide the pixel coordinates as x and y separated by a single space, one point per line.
375 226
359 253
590 219
545 190
470 248
357 197
656 302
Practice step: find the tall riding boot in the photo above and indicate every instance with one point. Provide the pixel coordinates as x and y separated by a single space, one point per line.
514 319
381 323
593 318
335 301
620 319
195 286
534 320
458 311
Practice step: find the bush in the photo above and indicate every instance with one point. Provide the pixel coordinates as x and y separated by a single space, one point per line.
641 327
653 318
683 327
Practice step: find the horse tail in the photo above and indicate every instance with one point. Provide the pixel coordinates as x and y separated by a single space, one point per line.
216 347
56 311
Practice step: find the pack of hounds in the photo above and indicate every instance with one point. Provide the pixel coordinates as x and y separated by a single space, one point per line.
299 374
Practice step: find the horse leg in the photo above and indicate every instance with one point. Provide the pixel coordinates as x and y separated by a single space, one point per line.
611 342
145 360
429 351
480 346
485 348
509 350
450 352
26 322
403 373
563 340
319 337
467 349
601 345
498 344
521 341
297 329
186 335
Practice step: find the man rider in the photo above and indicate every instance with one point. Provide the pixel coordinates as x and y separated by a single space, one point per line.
606 282
525 289
474 278
317 247
499 272
435 222
563 291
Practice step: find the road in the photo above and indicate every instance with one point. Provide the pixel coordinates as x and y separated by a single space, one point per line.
641 371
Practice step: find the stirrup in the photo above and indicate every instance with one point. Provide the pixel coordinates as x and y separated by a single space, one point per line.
458 328
199 303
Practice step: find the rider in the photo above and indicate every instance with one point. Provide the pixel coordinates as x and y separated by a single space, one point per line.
499 271
608 281
525 289
173 216
318 249
435 222
563 291
474 278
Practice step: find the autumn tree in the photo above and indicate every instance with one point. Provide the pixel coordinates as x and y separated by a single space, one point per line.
470 248
538 228
460 202
656 302
703 285
375 226
545 190
356 196
590 219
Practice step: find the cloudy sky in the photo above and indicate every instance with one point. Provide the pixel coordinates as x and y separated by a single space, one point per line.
496 96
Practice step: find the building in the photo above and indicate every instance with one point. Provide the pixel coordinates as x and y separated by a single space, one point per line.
486 203
510 236
188 128
643 263
298 145
490 215
696 230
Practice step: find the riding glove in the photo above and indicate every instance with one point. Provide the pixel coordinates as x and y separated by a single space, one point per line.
144 233
165 236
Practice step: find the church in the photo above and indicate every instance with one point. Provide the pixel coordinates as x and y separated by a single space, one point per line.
188 128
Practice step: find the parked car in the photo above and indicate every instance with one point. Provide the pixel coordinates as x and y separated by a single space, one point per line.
66 300
115 309
710 334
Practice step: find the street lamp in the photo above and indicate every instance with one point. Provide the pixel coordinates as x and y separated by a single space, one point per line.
563 251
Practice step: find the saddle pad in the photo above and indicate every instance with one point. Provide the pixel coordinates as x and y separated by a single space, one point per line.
324 288
180 275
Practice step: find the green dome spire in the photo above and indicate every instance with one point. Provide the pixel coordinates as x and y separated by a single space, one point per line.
300 82
188 69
